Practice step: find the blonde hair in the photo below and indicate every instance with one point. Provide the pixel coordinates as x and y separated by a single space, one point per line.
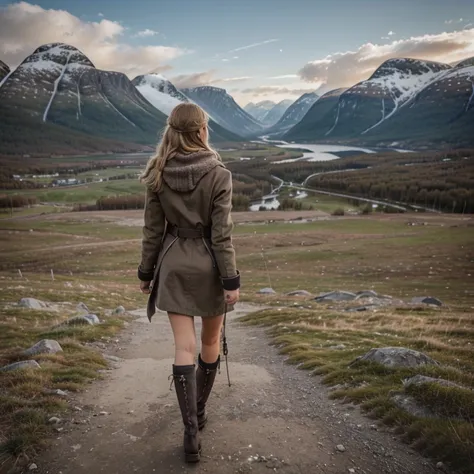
181 136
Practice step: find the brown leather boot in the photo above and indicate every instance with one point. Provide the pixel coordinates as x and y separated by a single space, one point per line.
205 376
185 385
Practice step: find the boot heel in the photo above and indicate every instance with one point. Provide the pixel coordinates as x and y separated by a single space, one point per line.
192 458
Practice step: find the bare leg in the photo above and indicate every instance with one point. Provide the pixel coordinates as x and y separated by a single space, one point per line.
184 338
210 338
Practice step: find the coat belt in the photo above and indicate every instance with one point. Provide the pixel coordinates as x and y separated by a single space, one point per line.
184 233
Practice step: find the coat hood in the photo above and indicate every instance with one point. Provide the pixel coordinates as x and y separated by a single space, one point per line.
183 172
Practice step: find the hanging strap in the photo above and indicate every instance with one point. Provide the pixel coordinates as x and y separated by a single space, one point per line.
224 345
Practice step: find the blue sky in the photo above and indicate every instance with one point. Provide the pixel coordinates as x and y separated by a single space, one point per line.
243 45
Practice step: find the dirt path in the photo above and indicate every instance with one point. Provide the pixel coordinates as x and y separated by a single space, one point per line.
274 418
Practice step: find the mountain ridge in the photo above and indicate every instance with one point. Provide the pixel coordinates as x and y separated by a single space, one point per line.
224 110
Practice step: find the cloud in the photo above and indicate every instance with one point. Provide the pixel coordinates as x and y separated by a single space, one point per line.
450 22
146 32
275 90
100 14
346 68
285 76
24 27
253 45
391 33
205 78
234 79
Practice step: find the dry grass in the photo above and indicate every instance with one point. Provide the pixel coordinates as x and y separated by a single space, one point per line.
26 402
309 337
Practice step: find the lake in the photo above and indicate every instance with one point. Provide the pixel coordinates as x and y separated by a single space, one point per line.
319 152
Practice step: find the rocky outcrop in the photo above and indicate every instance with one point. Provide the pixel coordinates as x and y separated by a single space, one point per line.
45 346
396 357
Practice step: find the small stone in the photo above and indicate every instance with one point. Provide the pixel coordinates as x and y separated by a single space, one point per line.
24 364
112 358
119 310
45 346
103 413
440 465
58 392
338 347
266 291
33 467
336 296
299 293
77 408
426 300
32 303
340 448
54 420
352 471
373 427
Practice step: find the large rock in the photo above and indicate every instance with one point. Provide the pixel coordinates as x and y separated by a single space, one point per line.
266 291
86 320
32 303
422 379
119 310
24 364
409 404
299 293
397 357
371 295
426 300
45 346
336 296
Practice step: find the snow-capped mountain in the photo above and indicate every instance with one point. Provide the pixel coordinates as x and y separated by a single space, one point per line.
163 95
441 113
276 113
294 113
405 101
260 109
58 85
369 103
223 109
4 70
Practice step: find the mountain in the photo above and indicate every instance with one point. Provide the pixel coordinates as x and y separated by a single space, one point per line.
4 70
260 109
223 109
411 102
59 86
159 91
441 114
163 95
466 62
320 117
276 113
294 113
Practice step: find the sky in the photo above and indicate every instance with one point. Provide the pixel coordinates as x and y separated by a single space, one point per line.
255 49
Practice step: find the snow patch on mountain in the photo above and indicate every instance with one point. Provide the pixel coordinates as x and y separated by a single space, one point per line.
160 92
55 89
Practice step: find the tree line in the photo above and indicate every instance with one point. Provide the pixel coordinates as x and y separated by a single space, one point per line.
446 186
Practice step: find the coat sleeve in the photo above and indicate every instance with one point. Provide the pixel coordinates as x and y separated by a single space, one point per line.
153 231
222 226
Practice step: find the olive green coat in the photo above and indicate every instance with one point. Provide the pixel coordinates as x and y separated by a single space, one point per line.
189 275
